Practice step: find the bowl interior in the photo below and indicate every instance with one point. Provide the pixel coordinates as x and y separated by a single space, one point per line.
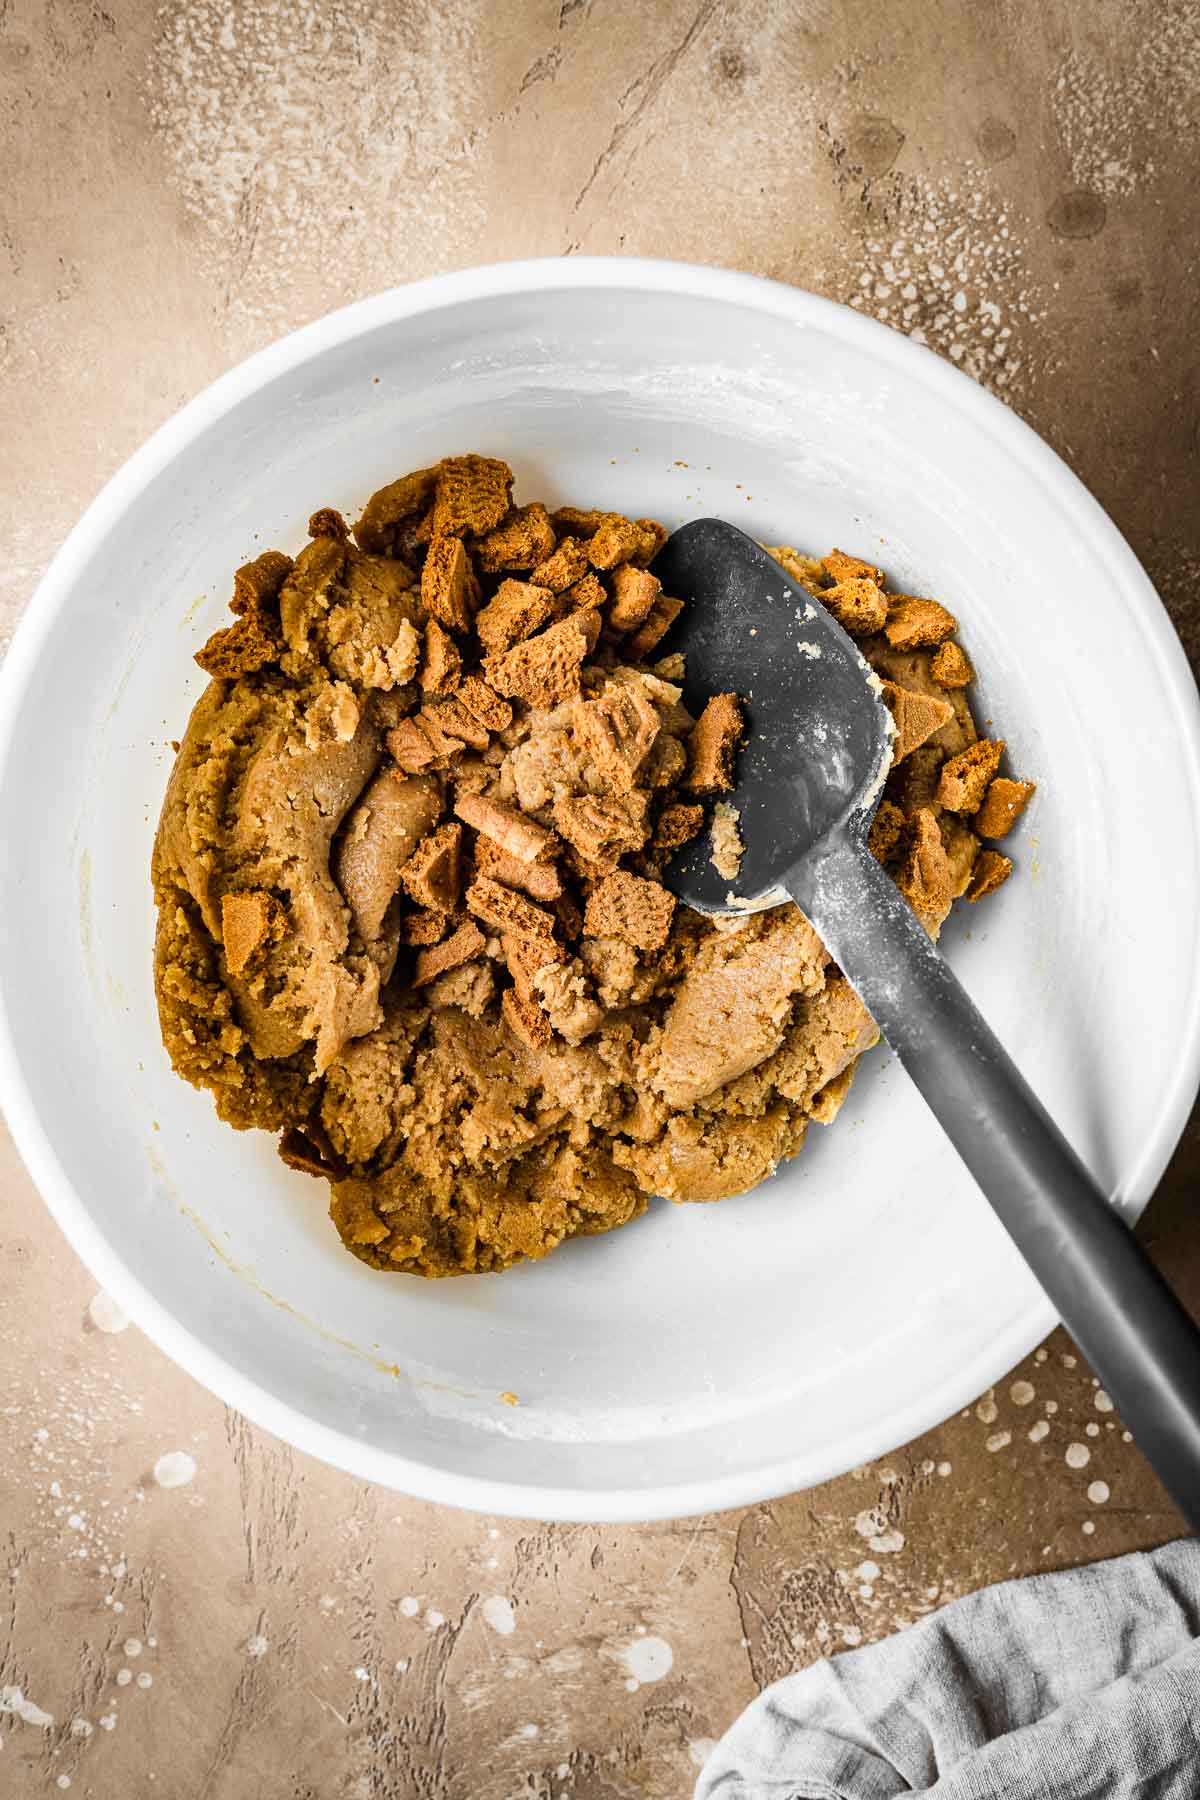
705 1355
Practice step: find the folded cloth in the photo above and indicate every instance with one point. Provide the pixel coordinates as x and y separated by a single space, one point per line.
1080 1686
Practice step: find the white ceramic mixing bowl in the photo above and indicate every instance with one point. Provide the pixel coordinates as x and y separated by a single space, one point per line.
707 1355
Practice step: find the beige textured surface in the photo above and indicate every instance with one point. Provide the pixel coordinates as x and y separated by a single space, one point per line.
180 185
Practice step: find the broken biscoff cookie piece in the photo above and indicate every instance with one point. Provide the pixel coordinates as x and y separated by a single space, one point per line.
1002 806
409 874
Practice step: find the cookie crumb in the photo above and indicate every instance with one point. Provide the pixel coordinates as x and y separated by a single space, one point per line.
545 670
516 611
423 928
602 827
249 644
520 837
441 663
887 830
924 875
327 521
309 1154
965 778
858 605
841 567
619 729
449 590
912 623
539 881
248 922
992 870
511 913
659 620
631 908
463 946
256 584
677 824
410 746
433 873
950 667
634 592
713 744
525 539
1002 806
916 717
484 704
526 1020
472 495
621 540
728 847
389 508
561 571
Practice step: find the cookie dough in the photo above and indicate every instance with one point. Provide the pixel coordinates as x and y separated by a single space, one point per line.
408 868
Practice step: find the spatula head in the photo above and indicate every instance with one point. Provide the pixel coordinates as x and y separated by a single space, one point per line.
819 736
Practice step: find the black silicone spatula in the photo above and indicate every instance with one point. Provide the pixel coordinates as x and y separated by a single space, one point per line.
809 779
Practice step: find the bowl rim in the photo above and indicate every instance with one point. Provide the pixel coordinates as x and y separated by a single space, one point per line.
750 292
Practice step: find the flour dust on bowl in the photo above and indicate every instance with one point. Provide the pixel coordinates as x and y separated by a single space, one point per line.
702 1356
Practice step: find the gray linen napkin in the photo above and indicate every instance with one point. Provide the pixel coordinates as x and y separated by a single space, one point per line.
1080 1686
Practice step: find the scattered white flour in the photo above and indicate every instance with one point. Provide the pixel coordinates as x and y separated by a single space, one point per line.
434 1619
1022 1393
868 1571
174 1468
952 275
1110 113
1078 1456
105 1314
145 1679
12 1700
133 1647
530 1731
410 1606
257 1647
332 139
646 1659
498 1613
882 1538
124 1677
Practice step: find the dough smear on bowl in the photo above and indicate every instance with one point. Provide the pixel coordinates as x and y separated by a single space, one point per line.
407 875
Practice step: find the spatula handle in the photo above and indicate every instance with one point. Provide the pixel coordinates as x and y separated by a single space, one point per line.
1112 1300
